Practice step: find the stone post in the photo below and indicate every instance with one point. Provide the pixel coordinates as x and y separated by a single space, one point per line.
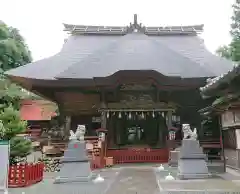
169 119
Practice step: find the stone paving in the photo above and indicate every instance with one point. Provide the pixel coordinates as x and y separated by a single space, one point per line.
47 186
218 183
133 180
144 179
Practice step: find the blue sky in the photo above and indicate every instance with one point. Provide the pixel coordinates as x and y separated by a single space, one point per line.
40 22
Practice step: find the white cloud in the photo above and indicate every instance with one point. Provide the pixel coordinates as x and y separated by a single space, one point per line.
40 22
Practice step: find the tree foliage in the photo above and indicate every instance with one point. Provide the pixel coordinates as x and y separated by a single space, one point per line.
10 127
232 51
13 53
13 50
224 51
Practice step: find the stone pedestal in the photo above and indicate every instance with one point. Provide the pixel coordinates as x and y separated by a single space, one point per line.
76 165
192 162
2 190
173 157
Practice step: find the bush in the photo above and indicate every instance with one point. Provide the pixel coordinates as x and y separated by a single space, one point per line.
11 126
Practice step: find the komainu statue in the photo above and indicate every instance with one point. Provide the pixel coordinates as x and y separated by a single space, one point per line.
188 133
80 132
72 135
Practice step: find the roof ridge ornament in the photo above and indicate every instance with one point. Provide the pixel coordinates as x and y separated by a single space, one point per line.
134 27
135 22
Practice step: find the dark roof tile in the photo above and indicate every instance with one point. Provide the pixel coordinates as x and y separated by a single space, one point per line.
85 56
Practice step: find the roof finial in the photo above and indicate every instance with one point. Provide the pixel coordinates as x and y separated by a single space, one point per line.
135 20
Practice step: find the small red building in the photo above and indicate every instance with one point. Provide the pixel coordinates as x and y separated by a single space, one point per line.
37 110
37 113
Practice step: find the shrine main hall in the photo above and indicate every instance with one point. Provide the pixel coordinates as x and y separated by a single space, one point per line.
136 82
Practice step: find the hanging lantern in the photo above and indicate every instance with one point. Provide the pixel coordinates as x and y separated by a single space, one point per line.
130 116
142 115
119 115
153 114
107 114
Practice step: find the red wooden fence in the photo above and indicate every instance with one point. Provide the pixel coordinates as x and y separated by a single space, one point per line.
147 155
25 174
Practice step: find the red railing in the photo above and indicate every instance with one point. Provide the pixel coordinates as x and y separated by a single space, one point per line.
147 155
25 174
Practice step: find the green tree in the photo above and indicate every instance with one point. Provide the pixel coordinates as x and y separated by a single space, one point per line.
235 32
13 50
13 53
232 51
224 51
10 127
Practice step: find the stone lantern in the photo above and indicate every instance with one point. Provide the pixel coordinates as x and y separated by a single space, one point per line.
101 133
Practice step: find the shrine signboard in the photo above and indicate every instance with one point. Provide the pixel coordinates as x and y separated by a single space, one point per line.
4 165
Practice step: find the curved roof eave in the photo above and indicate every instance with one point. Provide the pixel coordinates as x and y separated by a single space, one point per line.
94 56
214 83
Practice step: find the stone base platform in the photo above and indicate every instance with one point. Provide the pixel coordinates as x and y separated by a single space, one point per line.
173 158
217 183
199 186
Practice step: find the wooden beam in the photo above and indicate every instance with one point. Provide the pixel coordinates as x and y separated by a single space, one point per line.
80 112
45 93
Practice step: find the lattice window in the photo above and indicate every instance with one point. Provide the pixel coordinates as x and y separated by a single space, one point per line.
237 117
227 119
229 138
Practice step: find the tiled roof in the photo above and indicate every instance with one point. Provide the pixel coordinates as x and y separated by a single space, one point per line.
98 51
223 78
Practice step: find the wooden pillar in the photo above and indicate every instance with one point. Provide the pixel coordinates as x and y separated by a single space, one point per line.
222 141
103 151
169 125
64 121
160 130
169 119
68 124
103 116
